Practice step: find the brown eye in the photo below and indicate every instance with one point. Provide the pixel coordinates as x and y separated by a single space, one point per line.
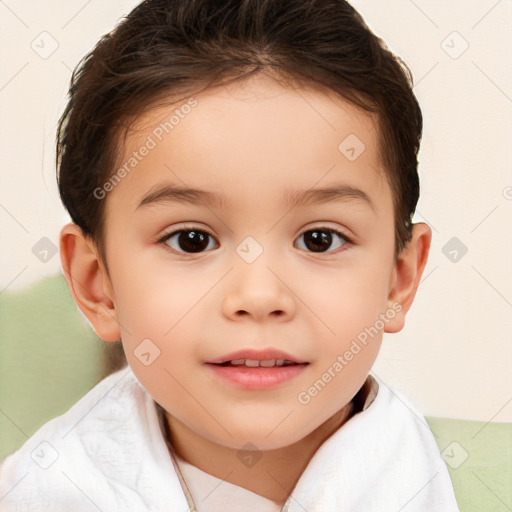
321 240
189 241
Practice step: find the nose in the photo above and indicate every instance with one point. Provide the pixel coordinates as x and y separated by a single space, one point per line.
257 290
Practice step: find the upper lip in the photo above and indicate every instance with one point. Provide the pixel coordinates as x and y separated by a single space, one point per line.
256 355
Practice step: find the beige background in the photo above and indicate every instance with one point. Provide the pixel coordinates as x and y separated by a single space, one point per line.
454 357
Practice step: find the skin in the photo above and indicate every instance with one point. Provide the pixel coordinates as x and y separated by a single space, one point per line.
252 141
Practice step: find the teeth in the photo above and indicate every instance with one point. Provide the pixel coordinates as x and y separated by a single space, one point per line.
254 363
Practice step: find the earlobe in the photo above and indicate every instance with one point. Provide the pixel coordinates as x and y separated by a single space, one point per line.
89 282
407 274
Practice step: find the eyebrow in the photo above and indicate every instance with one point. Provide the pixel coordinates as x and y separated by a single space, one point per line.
327 195
168 193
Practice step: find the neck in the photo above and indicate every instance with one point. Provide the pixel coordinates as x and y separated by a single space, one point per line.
274 475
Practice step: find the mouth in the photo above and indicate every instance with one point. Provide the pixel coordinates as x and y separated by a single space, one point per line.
252 358
257 370
255 363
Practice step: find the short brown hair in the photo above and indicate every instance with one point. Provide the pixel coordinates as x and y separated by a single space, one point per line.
169 47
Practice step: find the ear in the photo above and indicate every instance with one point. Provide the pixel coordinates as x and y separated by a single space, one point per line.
89 282
407 274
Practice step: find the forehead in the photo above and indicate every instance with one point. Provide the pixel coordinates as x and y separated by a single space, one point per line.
249 135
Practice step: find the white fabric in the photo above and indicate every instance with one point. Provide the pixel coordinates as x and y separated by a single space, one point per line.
108 453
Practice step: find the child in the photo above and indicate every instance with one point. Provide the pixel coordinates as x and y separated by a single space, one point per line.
241 176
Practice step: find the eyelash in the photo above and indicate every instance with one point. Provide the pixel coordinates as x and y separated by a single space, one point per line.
165 238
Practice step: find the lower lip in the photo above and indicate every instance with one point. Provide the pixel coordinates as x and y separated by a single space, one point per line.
257 378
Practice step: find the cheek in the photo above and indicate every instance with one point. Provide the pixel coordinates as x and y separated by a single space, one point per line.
346 302
348 306
346 351
160 333
168 309
151 301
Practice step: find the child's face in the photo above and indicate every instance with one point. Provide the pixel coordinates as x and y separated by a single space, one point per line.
267 276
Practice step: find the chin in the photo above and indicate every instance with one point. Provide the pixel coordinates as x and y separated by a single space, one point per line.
264 437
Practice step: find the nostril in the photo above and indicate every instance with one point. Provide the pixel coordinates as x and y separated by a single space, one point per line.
276 313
